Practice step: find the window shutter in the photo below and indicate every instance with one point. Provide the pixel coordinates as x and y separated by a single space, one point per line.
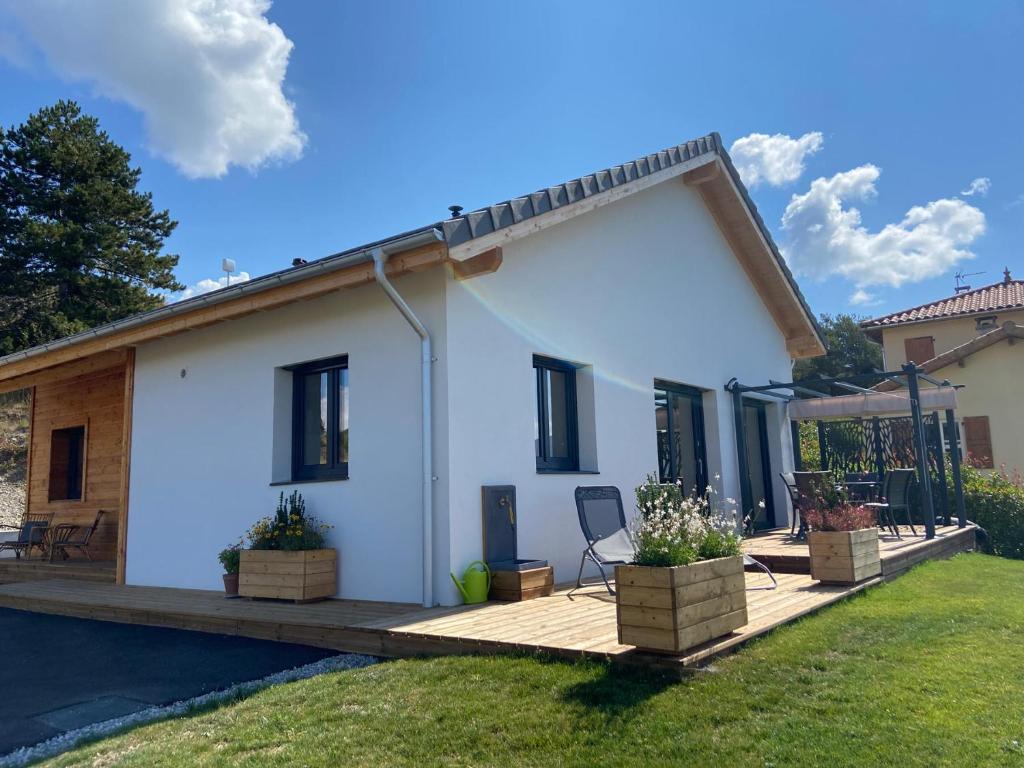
978 439
919 349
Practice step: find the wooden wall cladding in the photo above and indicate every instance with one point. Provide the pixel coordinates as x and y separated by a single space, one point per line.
95 400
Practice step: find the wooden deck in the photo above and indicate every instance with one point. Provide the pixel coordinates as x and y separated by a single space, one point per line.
21 569
564 624
782 554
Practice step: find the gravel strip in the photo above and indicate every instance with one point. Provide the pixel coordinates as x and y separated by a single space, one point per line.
66 741
12 503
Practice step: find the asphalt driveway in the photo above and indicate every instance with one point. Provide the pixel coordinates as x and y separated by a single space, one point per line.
59 673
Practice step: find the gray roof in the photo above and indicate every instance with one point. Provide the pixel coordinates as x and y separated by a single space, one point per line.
483 221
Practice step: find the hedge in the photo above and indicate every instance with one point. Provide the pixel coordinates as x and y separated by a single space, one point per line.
995 501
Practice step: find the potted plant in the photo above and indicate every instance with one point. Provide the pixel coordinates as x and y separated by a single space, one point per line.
229 558
843 539
287 558
686 583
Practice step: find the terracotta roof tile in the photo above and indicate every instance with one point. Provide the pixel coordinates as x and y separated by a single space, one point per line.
1008 294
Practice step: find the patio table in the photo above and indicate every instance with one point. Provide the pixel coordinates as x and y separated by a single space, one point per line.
863 490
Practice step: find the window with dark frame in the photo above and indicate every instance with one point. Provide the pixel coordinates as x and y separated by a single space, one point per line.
67 464
556 435
320 448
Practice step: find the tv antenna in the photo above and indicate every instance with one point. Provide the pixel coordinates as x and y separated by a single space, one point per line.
960 276
228 266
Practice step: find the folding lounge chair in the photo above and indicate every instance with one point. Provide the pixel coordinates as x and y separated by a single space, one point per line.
603 522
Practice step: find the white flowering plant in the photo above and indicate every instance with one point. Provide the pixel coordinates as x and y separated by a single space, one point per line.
678 529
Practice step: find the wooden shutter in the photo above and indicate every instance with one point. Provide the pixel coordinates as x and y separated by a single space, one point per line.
919 349
978 440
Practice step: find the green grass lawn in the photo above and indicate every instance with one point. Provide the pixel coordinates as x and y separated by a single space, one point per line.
927 670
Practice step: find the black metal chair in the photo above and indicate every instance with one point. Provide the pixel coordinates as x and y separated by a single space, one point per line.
790 482
896 495
809 486
603 522
31 534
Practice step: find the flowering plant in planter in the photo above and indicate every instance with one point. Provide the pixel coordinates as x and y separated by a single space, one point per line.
229 558
675 529
289 529
686 583
830 510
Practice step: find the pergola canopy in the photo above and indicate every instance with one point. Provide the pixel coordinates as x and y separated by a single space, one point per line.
868 404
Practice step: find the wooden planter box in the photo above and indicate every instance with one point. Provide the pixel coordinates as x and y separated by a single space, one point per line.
844 557
522 585
299 576
672 609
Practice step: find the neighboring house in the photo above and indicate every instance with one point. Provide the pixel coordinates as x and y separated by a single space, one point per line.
969 338
580 335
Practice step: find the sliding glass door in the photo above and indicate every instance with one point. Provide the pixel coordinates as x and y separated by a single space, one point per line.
759 463
679 419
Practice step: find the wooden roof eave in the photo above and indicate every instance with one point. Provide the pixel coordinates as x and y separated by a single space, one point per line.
756 255
49 363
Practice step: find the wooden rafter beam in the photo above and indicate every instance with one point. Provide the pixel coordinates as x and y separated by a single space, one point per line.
482 264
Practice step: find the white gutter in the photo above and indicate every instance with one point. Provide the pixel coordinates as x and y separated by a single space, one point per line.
426 361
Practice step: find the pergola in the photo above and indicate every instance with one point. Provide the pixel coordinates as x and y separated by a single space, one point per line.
805 402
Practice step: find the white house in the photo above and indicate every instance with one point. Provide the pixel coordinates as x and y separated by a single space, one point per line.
566 335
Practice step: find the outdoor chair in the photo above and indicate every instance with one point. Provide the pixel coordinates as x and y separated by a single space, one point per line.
31 534
603 521
809 486
896 497
790 482
67 536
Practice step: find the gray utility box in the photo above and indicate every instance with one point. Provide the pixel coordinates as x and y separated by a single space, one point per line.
501 550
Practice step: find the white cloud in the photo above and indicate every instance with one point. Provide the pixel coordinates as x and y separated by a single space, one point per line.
775 160
862 298
826 238
1016 202
208 285
206 74
979 186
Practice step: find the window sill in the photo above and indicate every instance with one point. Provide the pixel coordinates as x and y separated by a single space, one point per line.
568 472
311 480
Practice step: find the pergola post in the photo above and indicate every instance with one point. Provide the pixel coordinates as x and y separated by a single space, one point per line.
920 450
746 494
822 449
940 470
954 460
876 428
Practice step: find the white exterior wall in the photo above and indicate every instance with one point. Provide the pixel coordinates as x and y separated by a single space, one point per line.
645 288
641 289
204 456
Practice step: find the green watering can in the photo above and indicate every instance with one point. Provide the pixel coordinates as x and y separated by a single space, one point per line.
475 583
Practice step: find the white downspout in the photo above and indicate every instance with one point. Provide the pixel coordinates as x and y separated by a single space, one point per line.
426 361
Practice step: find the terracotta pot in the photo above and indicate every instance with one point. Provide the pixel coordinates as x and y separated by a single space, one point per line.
231 585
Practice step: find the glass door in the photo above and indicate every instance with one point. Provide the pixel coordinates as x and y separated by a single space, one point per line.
679 419
759 463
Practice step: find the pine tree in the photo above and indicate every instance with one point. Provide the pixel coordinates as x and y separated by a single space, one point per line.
79 244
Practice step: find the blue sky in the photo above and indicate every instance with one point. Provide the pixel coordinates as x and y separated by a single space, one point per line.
380 115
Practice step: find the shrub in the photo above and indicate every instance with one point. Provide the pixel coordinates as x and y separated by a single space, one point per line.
842 517
230 557
673 529
995 501
289 528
